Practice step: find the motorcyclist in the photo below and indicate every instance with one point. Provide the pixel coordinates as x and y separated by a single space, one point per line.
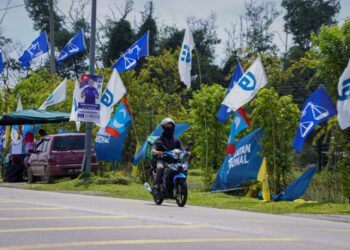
165 142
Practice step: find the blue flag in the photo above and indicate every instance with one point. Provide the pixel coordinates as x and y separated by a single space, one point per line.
180 128
38 47
109 142
2 135
1 64
243 165
317 109
130 58
239 123
74 46
224 111
297 188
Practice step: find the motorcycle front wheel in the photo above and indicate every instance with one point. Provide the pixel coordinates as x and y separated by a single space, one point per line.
158 198
181 193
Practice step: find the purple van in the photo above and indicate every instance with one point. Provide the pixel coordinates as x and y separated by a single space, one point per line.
56 156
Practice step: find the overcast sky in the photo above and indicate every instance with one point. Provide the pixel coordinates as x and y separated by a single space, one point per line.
19 27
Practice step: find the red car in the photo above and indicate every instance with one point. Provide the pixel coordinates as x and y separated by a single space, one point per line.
58 155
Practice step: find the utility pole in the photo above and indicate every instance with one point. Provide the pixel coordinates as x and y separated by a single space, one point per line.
52 39
86 166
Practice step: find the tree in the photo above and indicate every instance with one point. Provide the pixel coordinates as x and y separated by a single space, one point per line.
38 11
120 37
278 117
149 24
210 135
328 57
305 17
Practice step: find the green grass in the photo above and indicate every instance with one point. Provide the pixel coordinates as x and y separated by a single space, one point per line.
196 196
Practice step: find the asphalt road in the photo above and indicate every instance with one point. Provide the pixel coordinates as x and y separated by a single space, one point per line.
49 220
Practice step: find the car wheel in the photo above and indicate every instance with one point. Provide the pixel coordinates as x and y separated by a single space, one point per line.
30 177
47 177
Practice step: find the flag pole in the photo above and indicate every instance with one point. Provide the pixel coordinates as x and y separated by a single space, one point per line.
205 115
52 39
86 165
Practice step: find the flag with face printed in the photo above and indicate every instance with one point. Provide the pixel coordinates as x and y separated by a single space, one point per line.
343 104
130 58
185 58
247 87
74 46
57 96
38 47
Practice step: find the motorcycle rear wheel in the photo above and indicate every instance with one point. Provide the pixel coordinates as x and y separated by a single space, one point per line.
181 193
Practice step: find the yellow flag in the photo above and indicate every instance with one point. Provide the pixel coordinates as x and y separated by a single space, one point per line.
135 169
263 178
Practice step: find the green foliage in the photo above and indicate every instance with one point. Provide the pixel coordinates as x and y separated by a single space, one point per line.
210 135
278 117
120 37
304 17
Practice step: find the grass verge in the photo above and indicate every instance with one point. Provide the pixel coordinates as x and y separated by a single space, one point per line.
126 189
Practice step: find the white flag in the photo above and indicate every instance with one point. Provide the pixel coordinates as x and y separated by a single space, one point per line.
114 91
73 113
185 58
19 105
14 132
57 96
247 87
343 104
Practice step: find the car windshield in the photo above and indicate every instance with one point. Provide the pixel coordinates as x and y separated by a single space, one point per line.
65 143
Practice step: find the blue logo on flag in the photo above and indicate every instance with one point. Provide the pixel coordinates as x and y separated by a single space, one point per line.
248 82
107 98
1 63
224 111
38 47
75 45
130 58
317 109
345 90
186 54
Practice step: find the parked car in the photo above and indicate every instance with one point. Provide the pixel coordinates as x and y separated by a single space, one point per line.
57 156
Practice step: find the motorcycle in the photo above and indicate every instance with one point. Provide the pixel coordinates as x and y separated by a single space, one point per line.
174 185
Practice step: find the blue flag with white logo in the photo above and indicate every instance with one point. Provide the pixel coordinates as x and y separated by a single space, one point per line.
224 111
317 109
74 46
243 165
2 135
1 63
109 141
38 47
130 58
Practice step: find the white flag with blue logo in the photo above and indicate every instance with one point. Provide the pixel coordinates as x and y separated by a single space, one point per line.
57 96
247 87
74 45
114 91
38 47
185 58
73 113
343 104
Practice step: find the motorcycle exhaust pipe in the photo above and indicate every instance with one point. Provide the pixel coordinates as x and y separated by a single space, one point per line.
148 187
